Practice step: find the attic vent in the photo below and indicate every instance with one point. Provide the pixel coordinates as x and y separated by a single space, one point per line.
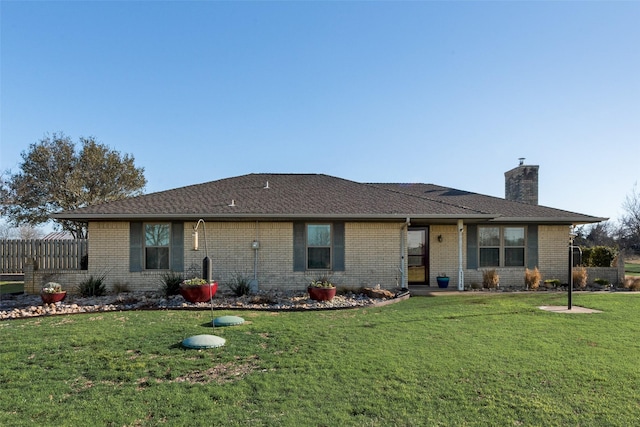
521 159
266 186
233 203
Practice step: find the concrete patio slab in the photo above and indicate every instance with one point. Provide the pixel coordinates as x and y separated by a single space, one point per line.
565 309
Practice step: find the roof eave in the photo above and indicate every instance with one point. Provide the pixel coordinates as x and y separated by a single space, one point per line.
553 220
244 216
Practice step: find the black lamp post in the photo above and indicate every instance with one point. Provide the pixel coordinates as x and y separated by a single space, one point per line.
572 236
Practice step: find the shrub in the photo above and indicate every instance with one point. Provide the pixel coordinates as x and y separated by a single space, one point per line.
552 282
532 278
579 276
170 283
602 282
598 256
490 279
92 287
239 285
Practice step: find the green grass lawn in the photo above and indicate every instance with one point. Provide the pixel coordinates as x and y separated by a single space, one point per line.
632 268
464 360
11 287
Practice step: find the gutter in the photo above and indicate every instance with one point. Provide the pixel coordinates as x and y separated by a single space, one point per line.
295 216
551 220
403 250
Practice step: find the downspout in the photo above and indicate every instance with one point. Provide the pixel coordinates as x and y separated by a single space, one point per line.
460 270
255 245
403 250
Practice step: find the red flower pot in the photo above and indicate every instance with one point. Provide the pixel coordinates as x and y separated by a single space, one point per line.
50 298
199 293
321 294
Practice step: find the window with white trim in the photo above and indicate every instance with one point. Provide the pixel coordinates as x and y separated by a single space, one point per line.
501 246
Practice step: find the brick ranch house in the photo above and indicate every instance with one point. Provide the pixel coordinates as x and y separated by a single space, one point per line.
284 230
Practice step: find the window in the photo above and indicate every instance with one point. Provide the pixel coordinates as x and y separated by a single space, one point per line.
514 246
319 246
156 246
501 246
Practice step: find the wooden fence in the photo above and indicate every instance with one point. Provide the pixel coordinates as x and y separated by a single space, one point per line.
48 254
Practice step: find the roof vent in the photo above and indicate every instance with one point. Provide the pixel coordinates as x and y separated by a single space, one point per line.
233 203
521 159
266 186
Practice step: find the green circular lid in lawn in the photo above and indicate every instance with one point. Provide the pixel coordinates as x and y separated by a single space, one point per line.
227 321
203 341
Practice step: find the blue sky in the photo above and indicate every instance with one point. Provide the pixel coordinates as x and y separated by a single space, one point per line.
451 93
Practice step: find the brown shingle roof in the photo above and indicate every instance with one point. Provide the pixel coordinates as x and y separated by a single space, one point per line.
291 196
507 209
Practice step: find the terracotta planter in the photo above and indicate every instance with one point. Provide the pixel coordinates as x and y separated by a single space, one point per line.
50 298
199 293
321 294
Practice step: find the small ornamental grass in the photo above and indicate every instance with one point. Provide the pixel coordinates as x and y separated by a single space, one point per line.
239 285
170 283
580 277
92 287
632 283
532 279
490 279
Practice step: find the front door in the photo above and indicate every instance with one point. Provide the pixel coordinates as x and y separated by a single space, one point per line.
418 250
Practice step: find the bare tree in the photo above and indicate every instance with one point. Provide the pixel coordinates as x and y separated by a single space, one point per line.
7 232
25 232
599 234
630 222
30 233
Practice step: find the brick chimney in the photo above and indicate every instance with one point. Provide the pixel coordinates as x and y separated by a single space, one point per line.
521 184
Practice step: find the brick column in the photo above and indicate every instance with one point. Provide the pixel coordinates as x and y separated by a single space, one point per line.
30 268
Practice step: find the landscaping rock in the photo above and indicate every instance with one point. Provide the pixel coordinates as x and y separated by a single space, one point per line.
21 306
378 293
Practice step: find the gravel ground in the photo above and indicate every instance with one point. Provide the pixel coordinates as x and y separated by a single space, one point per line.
22 306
